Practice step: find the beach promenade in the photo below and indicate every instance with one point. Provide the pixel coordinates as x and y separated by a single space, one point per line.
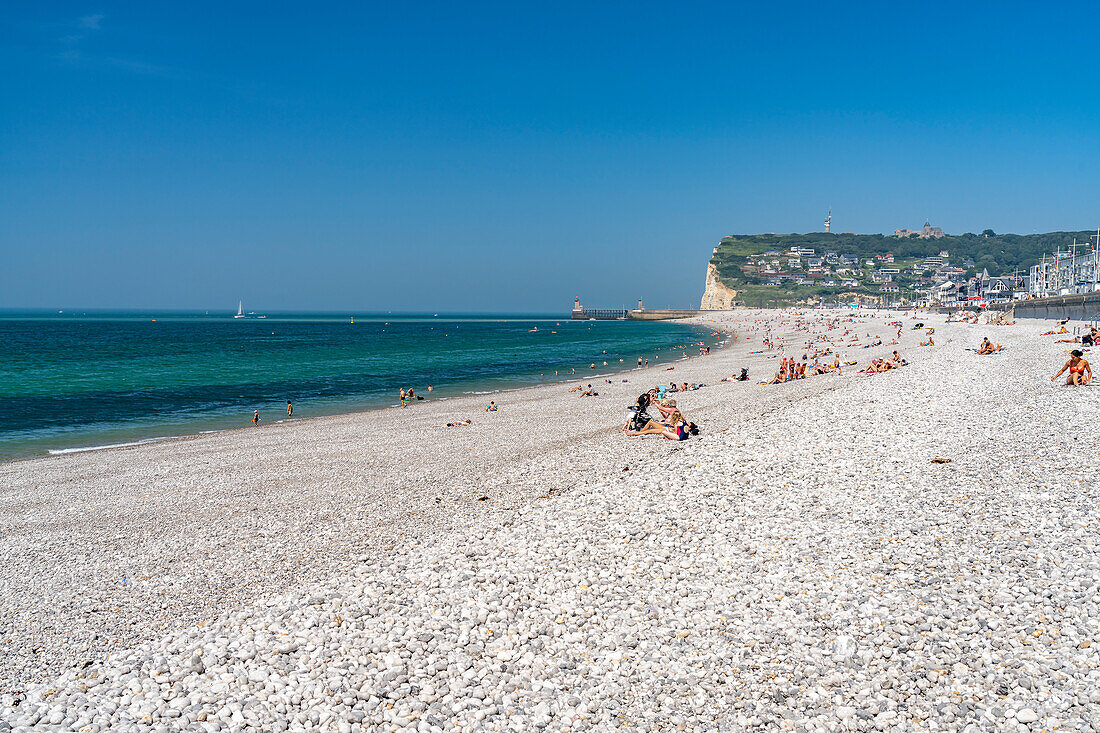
801 565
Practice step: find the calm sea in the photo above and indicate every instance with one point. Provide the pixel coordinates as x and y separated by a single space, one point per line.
77 381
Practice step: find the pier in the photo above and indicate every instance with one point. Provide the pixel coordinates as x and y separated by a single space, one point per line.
641 313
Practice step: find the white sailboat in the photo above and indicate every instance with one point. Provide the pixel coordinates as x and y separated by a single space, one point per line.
240 309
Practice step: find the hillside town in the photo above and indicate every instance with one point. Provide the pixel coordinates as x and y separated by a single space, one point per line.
935 280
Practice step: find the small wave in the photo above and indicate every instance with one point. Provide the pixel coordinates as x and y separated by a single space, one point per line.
63 451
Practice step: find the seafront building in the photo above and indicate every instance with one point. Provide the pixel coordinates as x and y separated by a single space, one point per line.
1065 274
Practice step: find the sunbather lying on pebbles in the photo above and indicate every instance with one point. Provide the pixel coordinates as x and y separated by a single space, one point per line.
877 367
1080 373
675 428
1088 339
456 424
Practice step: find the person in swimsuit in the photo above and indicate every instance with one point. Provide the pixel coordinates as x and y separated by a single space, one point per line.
1080 373
458 424
289 409
256 416
677 428
986 347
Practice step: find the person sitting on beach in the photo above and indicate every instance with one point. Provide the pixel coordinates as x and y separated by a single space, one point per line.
589 392
457 424
781 375
929 342
667 408
895 360
1080 373
987 347
491 407
676 428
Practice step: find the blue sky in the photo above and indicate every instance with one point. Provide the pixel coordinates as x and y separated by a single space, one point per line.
503 157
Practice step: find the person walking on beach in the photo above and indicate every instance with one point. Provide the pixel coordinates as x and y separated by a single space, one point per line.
256 417
289 409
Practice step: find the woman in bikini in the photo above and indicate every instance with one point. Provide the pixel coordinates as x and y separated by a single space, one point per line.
1080 373
677 428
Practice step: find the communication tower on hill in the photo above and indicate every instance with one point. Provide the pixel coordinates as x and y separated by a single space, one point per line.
829 220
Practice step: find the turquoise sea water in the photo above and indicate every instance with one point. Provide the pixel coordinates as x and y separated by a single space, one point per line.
77 381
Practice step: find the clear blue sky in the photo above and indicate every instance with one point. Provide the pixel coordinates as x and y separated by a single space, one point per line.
464 156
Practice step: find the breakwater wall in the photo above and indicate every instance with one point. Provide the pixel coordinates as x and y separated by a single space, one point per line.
666 314
1083 307
644 314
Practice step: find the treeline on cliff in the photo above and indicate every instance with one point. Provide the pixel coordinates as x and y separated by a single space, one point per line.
999 253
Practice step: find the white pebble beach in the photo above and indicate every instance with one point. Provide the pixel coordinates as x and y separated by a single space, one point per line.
802 564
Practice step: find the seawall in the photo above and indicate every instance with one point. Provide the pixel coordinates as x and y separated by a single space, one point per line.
1082 307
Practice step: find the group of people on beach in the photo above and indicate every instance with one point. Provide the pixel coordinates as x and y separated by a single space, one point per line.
672 425
790 369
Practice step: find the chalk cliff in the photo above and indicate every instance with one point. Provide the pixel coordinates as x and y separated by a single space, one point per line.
716 297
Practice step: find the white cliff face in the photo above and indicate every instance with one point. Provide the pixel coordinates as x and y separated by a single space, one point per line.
716 297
